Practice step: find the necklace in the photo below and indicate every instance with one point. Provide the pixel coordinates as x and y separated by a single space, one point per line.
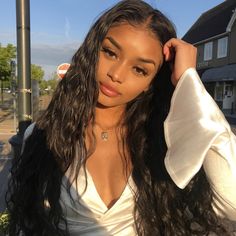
104 135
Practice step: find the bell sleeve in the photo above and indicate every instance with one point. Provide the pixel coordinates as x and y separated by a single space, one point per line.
196 134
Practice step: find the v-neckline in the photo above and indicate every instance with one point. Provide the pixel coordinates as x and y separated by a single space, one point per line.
93 186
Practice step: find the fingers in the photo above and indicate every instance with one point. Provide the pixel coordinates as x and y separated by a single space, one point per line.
169 53
171 46
181 56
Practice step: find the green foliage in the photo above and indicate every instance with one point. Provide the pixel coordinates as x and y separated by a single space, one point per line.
52 83
4 222
6 55
37 73
48 86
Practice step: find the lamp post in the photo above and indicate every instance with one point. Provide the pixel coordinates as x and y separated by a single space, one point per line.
23 73
13 89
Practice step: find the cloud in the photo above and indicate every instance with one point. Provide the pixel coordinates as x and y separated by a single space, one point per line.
37 37
47 55
50 56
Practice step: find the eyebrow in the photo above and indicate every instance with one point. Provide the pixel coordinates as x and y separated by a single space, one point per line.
147 60
117 45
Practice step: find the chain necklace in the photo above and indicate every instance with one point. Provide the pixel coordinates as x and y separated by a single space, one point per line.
104 135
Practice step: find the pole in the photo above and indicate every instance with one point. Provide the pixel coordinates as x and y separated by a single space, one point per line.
23 72
13 90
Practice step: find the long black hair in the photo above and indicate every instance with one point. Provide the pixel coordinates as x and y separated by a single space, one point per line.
161 208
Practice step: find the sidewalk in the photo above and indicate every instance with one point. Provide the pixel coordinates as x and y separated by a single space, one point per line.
7 130
8 123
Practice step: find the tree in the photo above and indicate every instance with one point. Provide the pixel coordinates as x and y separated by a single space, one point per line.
48 86
52 83
6 55
37 73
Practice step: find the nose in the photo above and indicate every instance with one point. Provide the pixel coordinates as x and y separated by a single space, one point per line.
117 72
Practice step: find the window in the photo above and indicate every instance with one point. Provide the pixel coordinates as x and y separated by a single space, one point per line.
229 89
208 51
222 47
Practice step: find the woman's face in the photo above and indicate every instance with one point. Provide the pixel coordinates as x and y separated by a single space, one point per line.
129 58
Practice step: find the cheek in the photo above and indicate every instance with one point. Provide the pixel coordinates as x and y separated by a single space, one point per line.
102 68
142 85
136 89
100 65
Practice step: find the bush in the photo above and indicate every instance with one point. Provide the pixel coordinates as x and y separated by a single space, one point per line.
4 223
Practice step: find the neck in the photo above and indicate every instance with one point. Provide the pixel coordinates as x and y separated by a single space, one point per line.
108 117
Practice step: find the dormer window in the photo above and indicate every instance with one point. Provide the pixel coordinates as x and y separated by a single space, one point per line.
222 47
208 51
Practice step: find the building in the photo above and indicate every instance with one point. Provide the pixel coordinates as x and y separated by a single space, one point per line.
214 35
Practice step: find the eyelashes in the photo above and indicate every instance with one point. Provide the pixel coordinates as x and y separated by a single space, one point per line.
110 54
140 71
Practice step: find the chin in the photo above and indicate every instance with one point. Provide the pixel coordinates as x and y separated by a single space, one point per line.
107 102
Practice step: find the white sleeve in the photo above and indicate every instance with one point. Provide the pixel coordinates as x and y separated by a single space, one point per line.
27 133
221 175
197 134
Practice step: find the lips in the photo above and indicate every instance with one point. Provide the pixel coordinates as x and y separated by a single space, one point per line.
108 90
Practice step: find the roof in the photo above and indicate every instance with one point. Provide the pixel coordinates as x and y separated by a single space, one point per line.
211 23
224 73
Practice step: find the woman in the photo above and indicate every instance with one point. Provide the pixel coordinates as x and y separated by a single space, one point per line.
97 163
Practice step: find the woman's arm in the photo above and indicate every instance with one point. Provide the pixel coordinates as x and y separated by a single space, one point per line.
220 169
197 134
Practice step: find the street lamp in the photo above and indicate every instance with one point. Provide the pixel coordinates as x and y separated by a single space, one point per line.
23 73
13 89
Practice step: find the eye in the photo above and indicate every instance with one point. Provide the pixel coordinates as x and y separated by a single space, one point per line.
140 71
108 52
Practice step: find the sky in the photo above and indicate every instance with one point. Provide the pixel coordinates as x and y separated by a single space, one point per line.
57 27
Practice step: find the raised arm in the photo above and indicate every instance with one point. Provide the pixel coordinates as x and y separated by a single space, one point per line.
197 133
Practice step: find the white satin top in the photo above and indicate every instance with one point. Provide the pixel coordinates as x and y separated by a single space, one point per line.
88 215
196 134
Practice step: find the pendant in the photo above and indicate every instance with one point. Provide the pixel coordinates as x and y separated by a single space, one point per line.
104 135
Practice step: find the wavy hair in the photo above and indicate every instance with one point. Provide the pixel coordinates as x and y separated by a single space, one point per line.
161 208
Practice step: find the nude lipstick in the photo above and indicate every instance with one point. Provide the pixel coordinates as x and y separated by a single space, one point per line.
108 90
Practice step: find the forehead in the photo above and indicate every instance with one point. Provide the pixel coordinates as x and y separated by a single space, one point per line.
136 39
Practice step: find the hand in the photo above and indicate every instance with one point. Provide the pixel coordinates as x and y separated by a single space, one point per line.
181 55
